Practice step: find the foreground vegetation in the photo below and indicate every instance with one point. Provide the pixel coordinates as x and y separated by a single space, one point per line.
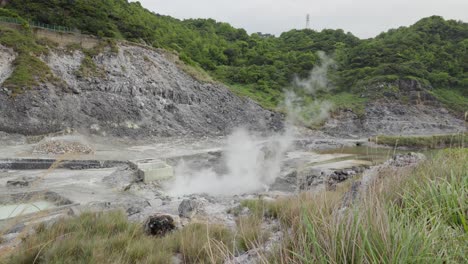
418 216
110 238
434 141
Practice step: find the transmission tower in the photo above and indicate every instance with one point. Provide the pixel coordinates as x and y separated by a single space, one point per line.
307 21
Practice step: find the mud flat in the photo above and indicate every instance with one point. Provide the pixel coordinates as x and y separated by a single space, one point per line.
93 183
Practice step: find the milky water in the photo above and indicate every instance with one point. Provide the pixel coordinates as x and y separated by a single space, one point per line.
12 210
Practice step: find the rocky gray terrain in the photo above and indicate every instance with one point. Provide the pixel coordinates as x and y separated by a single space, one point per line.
139 92
410 110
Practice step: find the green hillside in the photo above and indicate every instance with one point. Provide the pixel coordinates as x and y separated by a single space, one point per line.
432 51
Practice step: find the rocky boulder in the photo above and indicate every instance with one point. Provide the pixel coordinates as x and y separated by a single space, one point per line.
159 225
188 208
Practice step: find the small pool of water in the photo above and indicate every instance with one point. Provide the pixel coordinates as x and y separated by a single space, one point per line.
370 154
13 210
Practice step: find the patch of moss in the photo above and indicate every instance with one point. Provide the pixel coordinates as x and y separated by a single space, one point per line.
72 47
29 70
101 47
452 99
89 69
347 101
193 71
47 43
268 99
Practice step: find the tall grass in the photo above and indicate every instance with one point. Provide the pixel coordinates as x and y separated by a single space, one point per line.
410 215
424 220
110 238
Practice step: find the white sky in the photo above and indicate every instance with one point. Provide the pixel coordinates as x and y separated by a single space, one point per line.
364 18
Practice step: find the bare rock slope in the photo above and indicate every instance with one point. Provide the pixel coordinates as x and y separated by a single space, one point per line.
134 92
409 110
140 92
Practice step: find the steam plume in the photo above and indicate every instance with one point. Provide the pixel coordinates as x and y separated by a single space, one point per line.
253 164
317 80
314 112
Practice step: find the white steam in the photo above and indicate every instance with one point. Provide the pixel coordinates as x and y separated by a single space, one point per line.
317 80
252 165
314 111
308 114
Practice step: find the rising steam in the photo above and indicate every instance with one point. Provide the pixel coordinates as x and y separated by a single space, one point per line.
310 112
253 164
317 80
307 114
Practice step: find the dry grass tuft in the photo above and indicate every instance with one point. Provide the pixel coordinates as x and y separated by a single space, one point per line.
413 217
110 238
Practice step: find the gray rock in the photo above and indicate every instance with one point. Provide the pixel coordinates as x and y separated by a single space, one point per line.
153 97
403 160
423 114
21 182
17 228
133 210
188 208
308 177
156 202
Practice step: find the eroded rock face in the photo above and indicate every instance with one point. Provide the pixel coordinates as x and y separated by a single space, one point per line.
7 56
409 110
138 93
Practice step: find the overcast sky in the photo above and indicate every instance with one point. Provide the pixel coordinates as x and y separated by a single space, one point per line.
364 18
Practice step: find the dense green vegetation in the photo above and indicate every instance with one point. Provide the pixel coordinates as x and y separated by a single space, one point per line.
432 51
453 99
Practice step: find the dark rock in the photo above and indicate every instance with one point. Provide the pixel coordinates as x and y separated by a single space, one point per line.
17 228
21 182
343 175
188 208
159 225
308 178
133 211
403 160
